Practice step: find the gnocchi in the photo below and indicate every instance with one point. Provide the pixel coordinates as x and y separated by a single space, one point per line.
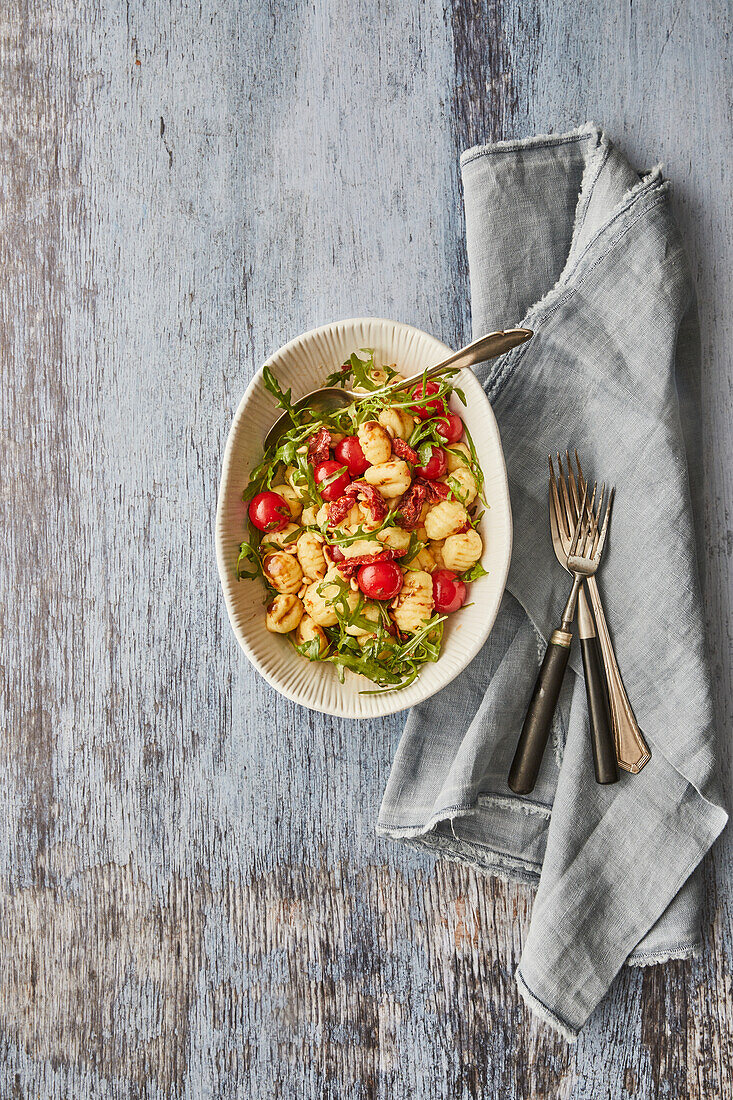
309 549
394 538
353 520
457 457
414 605
306 630
375 442
281 540
320 598
370 612
291 498
397 422
392 478
461 552
424 559
445 519
463 485
284 614
360 547
436 549
283 571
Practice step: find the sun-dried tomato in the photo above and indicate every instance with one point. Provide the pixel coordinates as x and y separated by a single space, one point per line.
437 491
319 446
350 565
339 509
410 505
403 450
371 497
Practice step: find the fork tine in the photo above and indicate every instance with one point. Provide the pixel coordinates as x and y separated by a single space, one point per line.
554 531
573 486
578 526
596 522
588 524
582 483
570 518
604 530
555 512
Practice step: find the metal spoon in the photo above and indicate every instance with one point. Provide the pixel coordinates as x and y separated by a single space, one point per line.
330 398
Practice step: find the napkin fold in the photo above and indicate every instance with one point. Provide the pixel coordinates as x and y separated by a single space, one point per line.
564 237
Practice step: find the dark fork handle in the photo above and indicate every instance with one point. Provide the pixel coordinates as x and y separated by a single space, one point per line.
604 750
536 729
599 712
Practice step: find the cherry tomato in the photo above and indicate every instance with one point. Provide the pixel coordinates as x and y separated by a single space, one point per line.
450 427
448 592
323 472
269 512
350 454
436 465
381 580
432 408
336 553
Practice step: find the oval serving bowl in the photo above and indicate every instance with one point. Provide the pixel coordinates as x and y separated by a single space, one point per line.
302 365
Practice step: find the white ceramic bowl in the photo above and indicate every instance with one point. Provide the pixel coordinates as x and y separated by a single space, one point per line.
302 365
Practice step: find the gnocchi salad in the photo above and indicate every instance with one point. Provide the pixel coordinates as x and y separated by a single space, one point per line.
363 524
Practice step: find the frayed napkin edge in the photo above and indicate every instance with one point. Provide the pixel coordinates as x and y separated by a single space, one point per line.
684 952
539 1008
588 129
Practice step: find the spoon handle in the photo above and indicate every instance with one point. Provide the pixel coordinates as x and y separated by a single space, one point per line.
486 347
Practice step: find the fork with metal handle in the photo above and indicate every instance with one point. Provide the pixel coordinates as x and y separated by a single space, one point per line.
632 751
604 750
583 560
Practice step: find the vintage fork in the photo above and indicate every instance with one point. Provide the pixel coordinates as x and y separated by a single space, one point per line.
632 751
599 715
583 560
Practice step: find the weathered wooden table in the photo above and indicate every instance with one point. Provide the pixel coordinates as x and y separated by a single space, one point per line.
193 901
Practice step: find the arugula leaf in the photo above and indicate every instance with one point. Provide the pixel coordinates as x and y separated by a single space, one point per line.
292 536
457 490
339 377
360 662
413 549
425 453
284 454
283 399
362 532
310 649
475 572
475 466
360 369
248 553
358 366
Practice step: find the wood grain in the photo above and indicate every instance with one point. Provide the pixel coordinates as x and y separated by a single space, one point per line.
193 901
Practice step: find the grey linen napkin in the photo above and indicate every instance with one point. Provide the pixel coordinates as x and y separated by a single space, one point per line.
564 237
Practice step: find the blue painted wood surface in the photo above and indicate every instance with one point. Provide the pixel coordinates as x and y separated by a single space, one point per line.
193 901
